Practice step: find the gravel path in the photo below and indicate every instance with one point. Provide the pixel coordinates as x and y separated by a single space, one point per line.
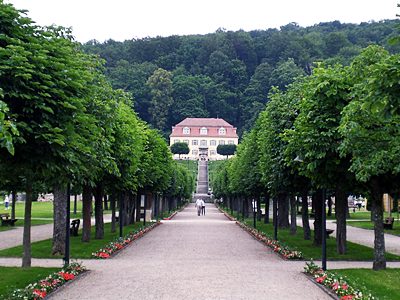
362 236
191 257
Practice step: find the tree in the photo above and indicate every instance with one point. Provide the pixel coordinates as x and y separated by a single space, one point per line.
371 134
180 148
315 139
226 150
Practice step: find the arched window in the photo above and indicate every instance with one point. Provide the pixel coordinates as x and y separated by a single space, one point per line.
222 131
186 130
203 131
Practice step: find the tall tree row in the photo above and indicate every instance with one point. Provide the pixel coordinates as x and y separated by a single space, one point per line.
330 134
62 123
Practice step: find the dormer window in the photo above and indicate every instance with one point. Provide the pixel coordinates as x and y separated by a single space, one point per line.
186 130
203 131
222 131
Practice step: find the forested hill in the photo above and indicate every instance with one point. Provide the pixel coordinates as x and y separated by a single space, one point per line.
228 74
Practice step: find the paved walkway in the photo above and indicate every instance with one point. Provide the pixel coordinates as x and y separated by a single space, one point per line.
362 236
191 257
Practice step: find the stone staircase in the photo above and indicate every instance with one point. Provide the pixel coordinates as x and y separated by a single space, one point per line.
202 182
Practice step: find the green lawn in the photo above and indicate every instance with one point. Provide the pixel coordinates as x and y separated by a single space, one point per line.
12 278
355 251
40 210
370 225
78 249
382 284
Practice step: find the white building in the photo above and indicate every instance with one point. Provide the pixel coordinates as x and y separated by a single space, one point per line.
203 135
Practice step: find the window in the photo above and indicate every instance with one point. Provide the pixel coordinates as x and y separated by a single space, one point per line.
195 152
177 141
203 143
222 131
186 130
195 142
212 152
213 142
230 142
203 131
221 142
186 141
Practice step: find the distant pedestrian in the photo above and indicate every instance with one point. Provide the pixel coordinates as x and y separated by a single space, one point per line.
203 207
6 202
198 206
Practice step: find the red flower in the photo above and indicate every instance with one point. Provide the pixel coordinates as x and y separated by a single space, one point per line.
119 246
40 294
66 276
320 279
345 287
335 286
103 255
347 297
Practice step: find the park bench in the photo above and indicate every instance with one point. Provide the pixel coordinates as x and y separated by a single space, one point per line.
6 220
329 232
75 227
388 223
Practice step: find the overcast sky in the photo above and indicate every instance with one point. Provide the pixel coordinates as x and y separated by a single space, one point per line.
127 19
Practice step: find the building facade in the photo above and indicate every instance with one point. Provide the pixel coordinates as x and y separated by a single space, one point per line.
203 135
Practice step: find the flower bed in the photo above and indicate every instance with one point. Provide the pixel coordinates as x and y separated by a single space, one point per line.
121 243
278 247
275 245
336 283
42 288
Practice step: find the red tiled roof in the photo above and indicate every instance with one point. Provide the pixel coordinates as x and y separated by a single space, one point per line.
212 125
204 122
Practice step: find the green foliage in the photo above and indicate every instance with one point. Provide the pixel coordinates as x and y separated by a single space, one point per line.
180 148
229 74
226 149
369 124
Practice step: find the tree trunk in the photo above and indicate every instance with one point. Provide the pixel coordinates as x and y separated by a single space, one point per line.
75 203
377 215
138 204
317 199
105 202
258 208
112 204
304 216
59 215
330 206
293 215
340 212
98 212
266 216
13 199
86 209
26 258
126 198
283 210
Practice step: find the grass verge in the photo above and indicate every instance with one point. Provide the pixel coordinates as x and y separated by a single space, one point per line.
382 284
42 249
12 278
369 225
354 251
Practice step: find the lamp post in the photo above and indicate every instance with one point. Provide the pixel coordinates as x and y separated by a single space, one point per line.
323 229
67 230
275 216
120 217
254 214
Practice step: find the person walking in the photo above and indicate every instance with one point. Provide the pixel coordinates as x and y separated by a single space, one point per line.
198 206
6 202
203 207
